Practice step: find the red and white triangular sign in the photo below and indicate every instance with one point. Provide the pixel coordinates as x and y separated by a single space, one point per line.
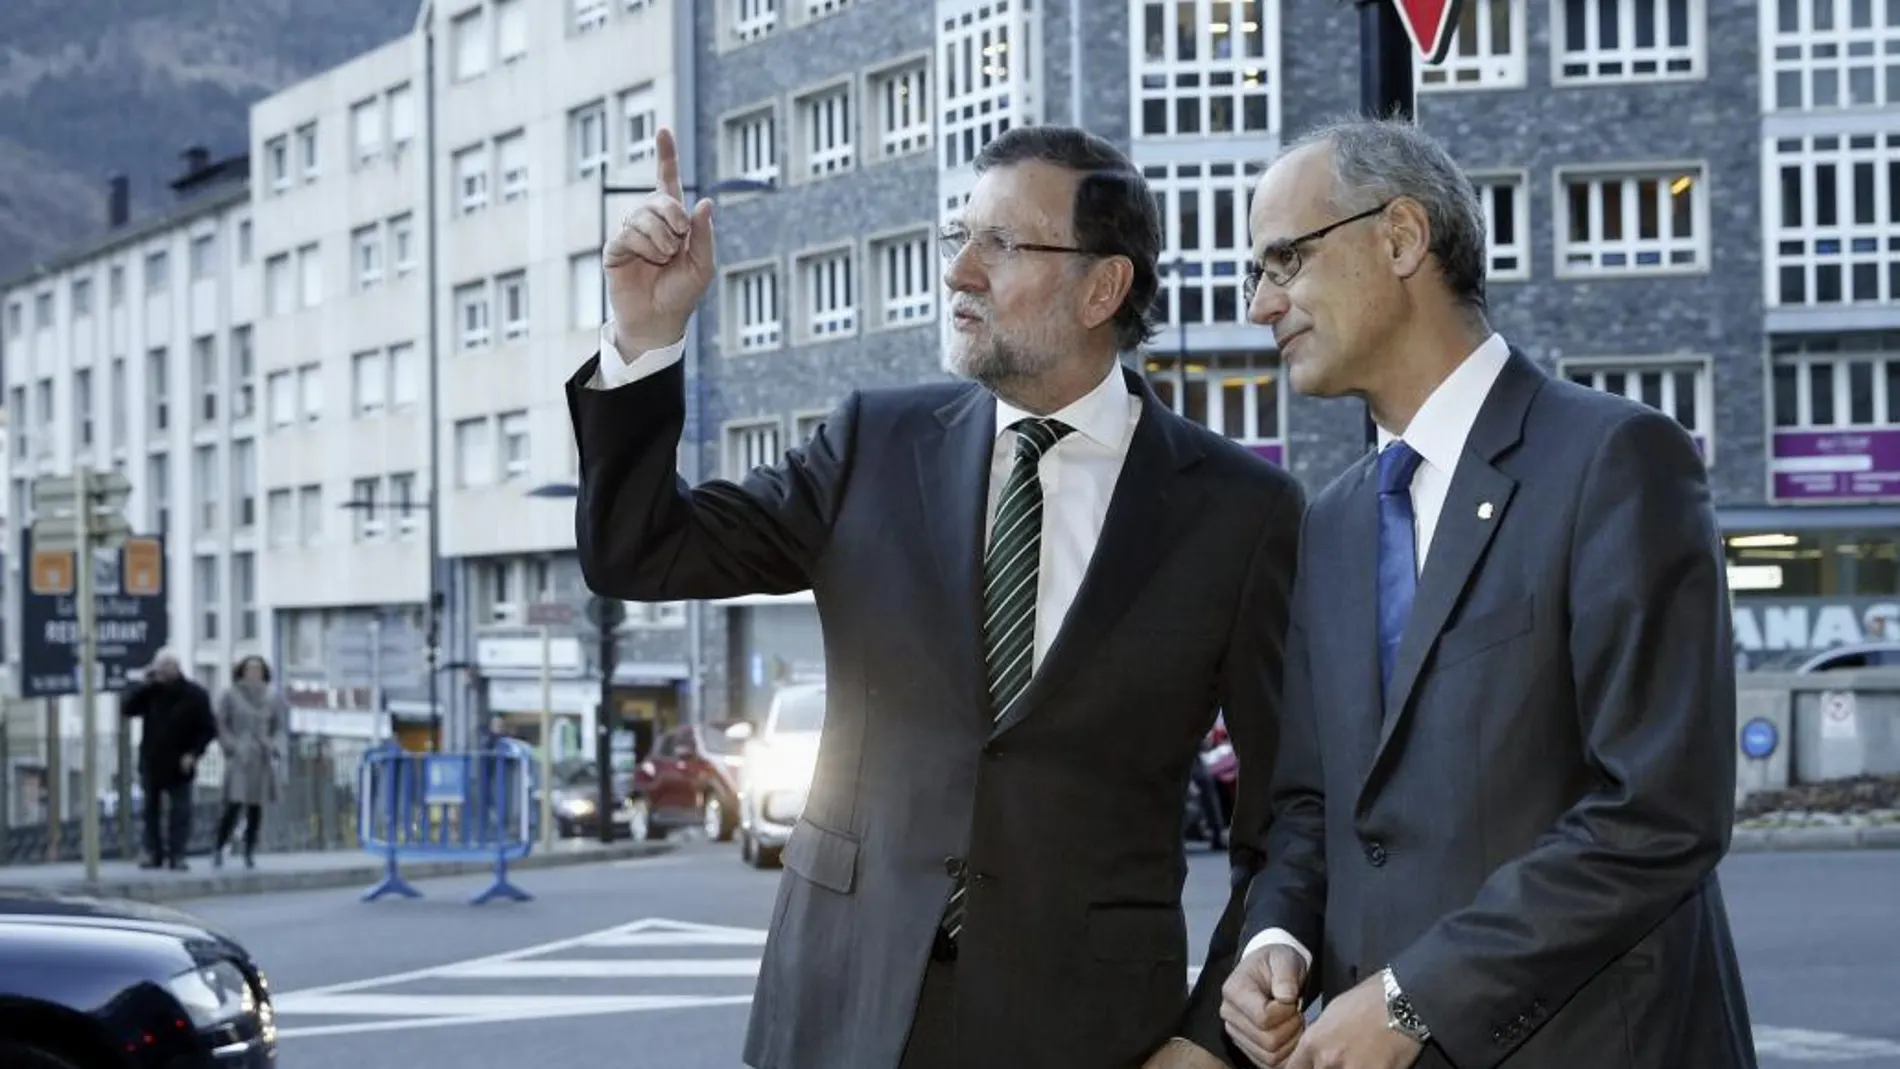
1430 24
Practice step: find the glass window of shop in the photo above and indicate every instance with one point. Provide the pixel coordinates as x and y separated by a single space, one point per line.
1799 592
1235 394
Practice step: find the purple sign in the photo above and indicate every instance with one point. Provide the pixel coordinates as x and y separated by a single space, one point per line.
1837 464
1272 451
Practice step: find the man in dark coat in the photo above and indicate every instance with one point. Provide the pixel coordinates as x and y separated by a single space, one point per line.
179 727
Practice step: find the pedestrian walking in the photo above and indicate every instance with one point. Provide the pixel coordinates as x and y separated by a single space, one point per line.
178 728
251 720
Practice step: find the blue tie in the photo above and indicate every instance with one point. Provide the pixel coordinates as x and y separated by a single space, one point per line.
1398 550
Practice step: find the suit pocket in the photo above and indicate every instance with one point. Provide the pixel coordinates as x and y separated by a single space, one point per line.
1489 628
825 857
1137 933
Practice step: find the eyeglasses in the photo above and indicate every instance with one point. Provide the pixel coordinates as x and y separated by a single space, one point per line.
1281 260
992 246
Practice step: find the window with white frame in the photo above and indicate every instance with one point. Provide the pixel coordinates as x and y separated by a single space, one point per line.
83 416
511 30
281 394
1507 224
1836 381
587 137
310 276
471 315
368 244
513 427
158 490
205 380
310 513
817 9
307 151
511 159
753 444
1629 40
1834 228
1680 389
1205 67
806 424
368 382
402 496
829 295
511 292
1487 49
244 594
589 15
204 465
402 244
474 452
205 584
310 391
244 483
468 45
1205 245
1632 222
903 277
1233 394
753 311
203 262
366 130
405 376
157 280
639 123
277 163
983 78
243 374
825 135
471 179
899 101
279 298
751 19
280 518
1829 54
118 415
365 518
752 145
583 288
402 115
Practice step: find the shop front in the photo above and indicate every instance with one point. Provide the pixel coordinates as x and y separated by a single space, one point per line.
1806 579
774 640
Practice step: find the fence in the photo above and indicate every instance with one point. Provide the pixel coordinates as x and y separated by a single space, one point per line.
479 804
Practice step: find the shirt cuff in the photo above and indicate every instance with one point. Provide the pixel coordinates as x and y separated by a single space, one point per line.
1282 937
614 370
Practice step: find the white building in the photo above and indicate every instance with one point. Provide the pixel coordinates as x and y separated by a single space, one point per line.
135 353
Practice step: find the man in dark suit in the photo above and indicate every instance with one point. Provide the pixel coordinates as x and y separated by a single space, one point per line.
1506 774
1036 588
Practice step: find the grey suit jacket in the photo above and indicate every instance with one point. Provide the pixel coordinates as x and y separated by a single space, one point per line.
1068 812
1526 826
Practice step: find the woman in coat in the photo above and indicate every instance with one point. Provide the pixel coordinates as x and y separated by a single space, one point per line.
251 721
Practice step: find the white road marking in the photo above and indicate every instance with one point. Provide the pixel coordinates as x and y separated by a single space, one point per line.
1806 1045
600 969
569 1008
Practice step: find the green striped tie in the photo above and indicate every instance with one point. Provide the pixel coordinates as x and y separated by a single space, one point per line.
1010 591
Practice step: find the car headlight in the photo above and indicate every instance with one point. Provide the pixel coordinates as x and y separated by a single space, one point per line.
213 994
577 807
782 770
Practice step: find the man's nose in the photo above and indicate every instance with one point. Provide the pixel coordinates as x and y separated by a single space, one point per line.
1269 306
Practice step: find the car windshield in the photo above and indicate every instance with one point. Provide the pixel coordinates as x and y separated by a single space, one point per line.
803 711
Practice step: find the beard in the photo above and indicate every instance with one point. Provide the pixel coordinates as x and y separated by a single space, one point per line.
996 362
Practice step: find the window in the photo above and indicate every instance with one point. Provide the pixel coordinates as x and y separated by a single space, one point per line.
639 122
402 115
511 156
471 315
511 30
829 295
1834 229
827 131
244 243
366 130
1680 389
1628 40
474 453
310 391
589 15
282 388
903 280
1507 222
244 483
310 276
1830 54
405 376
368 383
751 445
278 297
587 138
468 44
1487 49
402 496
83 421
752 146
117 418
16 319
511 292
280 519
471 179
1205 251
754 312
806 424
244 592
366 522
203 262
310 510
402 245
514 444
157 281
584 283
204 472
1641 223
243 375
1206 67
157 387
985 77
277 162
1832 394
206 380
899 99
752 19
1235 394
368 243
204 571
307 150
158 491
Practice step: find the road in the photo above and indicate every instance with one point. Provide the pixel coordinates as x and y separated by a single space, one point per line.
650 963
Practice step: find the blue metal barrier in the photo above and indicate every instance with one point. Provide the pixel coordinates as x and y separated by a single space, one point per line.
449 807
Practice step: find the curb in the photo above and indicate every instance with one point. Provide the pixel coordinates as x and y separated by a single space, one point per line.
1840 837
363 876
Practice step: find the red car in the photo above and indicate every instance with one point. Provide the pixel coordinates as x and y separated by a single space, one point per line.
690 781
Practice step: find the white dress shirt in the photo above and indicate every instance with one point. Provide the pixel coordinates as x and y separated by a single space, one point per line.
1078 474
1437 433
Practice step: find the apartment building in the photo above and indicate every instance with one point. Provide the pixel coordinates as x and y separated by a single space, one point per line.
135 352
338 200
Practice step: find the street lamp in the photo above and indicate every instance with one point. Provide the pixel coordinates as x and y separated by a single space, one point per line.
433 607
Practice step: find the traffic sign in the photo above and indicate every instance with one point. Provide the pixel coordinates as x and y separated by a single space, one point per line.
1430 24
606 614
56 509
130 620
550 613
1759 738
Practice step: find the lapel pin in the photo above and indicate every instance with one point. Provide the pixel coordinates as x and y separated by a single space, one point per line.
1484 510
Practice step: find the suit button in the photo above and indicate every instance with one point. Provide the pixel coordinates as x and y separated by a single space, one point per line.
1375 852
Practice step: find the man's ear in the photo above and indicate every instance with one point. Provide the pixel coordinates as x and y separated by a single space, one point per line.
1408 233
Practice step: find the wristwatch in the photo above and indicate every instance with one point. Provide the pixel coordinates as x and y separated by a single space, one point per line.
1399 1014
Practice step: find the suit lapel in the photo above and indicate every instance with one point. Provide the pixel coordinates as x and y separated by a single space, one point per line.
1149 504
1463 534
953 476
1351 594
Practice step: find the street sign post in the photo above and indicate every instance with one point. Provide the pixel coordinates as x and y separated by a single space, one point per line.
1430 25
606 614
547 615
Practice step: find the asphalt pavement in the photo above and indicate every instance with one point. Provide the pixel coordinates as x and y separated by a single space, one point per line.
650 963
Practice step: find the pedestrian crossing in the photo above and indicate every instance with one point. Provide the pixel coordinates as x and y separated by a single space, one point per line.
647 965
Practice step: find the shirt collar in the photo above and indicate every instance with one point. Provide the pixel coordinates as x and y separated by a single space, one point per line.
1100 415
1438 432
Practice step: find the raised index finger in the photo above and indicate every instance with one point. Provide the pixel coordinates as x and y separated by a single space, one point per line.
669 164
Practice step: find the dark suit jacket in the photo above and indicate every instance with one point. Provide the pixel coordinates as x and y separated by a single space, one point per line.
1527 827
1069 812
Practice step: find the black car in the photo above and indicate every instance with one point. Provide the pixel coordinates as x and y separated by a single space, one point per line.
88 983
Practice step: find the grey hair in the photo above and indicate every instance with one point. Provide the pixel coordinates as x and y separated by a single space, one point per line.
1377 160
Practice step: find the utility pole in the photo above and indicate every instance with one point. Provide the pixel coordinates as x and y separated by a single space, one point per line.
606 614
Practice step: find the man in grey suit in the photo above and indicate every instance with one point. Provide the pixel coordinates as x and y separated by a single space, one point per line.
1036 589
1506 774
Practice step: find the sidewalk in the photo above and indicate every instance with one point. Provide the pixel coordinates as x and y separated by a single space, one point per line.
304 871
1837 837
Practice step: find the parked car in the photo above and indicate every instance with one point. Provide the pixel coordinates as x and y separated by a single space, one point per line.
87 983
776 771
576 798
692 781
1855 655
